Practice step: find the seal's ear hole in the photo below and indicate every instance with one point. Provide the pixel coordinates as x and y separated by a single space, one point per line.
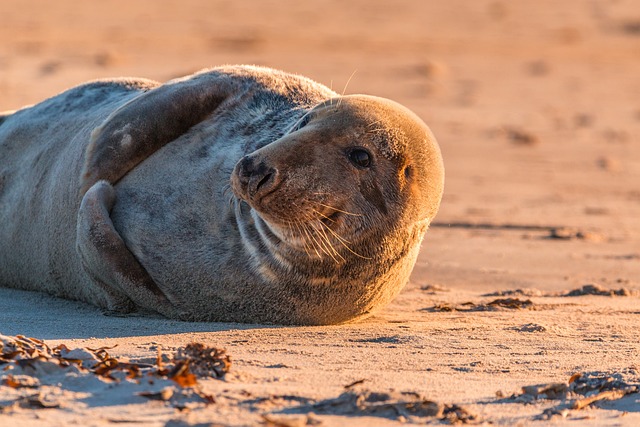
408 171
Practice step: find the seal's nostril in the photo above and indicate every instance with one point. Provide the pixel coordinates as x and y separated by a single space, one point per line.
254 178
264 180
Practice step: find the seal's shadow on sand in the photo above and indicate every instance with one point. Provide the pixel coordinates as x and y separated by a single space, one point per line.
39 315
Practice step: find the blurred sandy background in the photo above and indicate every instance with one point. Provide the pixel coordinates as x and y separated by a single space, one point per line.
536 106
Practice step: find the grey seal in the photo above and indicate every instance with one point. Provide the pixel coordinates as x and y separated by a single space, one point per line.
238 193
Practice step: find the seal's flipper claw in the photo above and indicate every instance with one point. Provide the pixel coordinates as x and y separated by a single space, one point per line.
107 260
148 122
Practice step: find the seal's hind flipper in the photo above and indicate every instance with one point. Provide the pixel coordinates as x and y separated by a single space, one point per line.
146 123
108 261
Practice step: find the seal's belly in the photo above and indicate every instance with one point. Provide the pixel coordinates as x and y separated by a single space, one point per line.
175 215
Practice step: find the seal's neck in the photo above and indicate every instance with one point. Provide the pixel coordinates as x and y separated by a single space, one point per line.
319 289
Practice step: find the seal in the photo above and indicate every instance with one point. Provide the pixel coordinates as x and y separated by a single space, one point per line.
238 194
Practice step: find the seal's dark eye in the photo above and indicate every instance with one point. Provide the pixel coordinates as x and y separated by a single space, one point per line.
360 157
302 123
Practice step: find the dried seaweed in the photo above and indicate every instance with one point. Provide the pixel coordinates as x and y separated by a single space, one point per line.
394 405
455 414
270 420
433 289
529 327
594 289
497 304
205 361
355 383
194 360
579 392
511 303
568 233
28 355
379 404
516 292
182 375
21 381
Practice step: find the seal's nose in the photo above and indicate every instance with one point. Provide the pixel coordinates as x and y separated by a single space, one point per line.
256 178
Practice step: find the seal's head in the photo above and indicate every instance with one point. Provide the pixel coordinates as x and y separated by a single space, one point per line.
351 173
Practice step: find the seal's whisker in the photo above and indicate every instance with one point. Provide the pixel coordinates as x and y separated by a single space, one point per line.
293 227
225 192
324 216
233 200
311 239
307 239
376 122
317 238
333 231
307 216
326 243
305 242
328 240
314 233
345 88
323 236
338 210
342 241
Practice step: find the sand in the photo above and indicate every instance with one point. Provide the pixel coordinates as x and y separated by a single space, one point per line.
536 108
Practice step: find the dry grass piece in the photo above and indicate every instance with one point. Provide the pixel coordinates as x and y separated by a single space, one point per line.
605 395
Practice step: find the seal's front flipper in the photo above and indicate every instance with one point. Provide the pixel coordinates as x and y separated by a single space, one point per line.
109 262
148 122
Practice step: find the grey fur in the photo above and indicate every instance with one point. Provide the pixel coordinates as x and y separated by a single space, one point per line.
118 193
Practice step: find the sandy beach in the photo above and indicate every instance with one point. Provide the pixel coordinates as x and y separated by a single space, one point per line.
524 305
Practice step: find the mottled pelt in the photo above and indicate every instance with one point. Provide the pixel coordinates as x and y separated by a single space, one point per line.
235 194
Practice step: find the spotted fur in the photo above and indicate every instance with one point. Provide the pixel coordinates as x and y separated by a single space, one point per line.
132 194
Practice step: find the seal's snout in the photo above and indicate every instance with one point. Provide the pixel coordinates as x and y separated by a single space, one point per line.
256 179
